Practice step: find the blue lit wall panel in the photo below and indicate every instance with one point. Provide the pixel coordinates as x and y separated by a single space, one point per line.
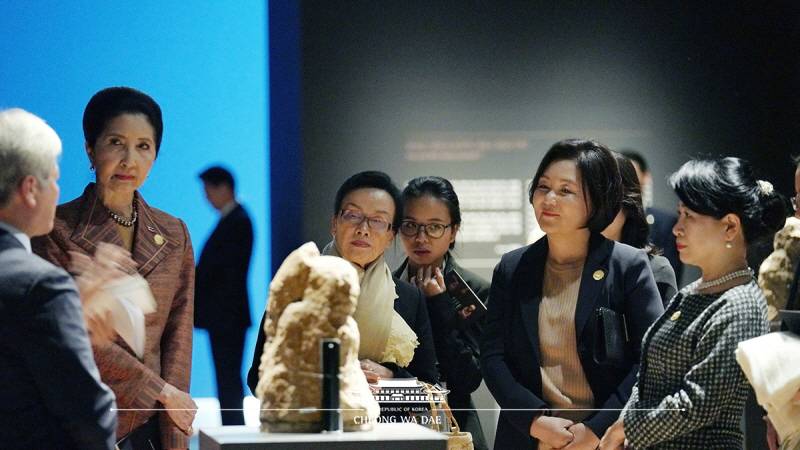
205 63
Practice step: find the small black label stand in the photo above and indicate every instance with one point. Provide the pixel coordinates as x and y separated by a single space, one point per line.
331 415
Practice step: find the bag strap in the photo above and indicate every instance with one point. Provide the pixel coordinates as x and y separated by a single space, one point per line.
427 388
454 428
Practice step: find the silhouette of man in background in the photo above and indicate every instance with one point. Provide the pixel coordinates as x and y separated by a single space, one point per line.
221 300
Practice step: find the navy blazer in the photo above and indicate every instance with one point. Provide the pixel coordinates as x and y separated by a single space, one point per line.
410 304
661 236
51 396
510 353
220 294
664 275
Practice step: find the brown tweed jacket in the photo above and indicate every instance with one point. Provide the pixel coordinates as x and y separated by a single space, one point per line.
167 263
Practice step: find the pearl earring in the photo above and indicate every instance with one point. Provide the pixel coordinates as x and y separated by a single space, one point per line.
728 244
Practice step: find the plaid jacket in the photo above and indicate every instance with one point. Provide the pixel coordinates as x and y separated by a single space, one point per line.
163 250
691 392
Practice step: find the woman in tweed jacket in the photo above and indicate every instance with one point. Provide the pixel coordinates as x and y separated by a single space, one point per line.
691 392
123 129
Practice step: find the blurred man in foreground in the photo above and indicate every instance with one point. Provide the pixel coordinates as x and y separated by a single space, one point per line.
51 396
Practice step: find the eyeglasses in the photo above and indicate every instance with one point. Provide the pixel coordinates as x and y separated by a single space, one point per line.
433 230
356 218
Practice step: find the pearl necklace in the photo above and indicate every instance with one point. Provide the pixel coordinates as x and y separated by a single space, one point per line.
724 279
120 220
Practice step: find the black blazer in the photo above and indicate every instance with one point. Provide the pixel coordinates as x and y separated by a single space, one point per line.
410 304
51 395
458 349
510 354
662 237
220 296
664 275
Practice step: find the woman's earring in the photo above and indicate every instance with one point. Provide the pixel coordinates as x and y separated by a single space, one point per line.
91 167
728 244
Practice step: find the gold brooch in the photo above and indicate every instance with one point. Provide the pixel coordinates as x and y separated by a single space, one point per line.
598 275
159 239
675 316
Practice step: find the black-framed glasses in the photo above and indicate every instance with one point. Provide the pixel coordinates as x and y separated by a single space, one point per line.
356 218
433 230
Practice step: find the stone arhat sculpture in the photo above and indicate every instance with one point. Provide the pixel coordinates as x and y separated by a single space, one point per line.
311 298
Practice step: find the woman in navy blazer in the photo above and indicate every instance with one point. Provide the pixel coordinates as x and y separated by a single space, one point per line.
576 193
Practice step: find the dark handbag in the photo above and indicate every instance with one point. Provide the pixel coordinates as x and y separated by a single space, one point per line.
612 345
145 436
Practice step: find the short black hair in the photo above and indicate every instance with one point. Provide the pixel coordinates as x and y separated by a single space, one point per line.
439 188
636 157
217 175
112 102
372 179
599 176
717 187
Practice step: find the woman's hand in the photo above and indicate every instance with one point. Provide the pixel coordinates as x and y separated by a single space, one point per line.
99 326
584 439
180 407
466 311
431 281
374 371
553 431
615 436
773 440
109 262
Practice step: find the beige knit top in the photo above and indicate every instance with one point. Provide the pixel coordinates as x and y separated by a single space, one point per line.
564 384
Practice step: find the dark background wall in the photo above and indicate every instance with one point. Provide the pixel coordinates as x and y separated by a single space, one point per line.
491 85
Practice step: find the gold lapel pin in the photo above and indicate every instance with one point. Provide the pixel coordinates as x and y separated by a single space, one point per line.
598 275
159 239
675 316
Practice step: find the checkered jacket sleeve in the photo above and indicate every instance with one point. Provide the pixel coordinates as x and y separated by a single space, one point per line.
689 382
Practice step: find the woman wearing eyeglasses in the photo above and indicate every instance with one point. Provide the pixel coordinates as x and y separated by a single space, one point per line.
392 319
431 218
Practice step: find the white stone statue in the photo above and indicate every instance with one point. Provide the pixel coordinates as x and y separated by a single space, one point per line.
311 298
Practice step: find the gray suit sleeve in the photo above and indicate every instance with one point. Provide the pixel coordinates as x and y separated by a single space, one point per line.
59 355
